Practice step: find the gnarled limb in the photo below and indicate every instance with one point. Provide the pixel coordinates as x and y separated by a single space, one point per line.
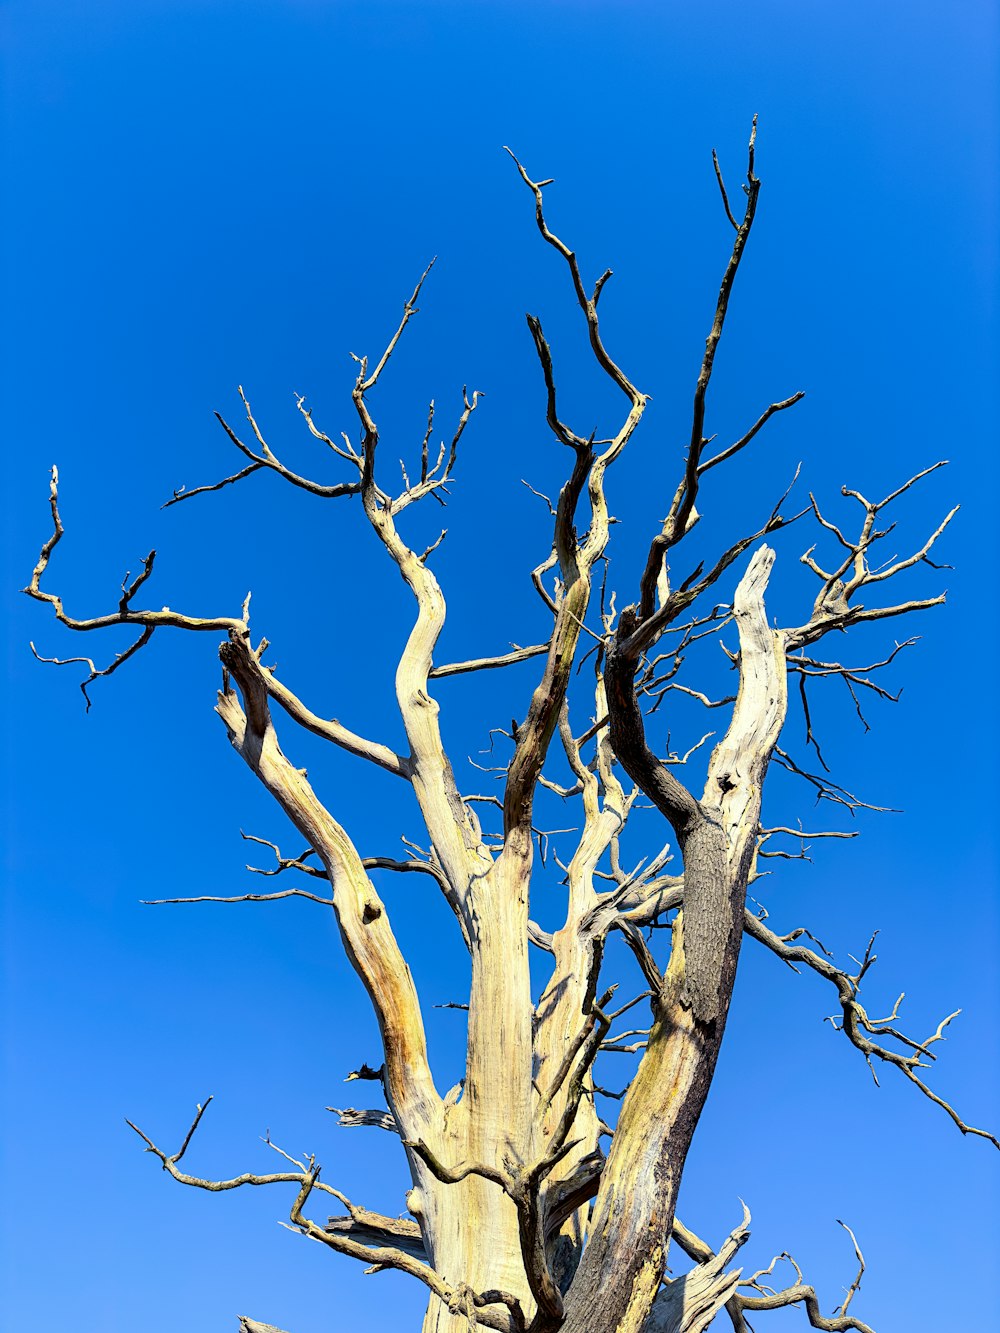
378 1254
799 1293
834 607
148 621
576 559
770 1298
361 916
264 461
862 1031
125 615
683 514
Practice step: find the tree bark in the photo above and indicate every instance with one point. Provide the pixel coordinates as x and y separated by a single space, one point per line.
623 1263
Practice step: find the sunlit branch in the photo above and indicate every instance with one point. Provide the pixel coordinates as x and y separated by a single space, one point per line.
489 663
683 514
799 1293
265 460
307 1178
859 1028
744 440
834 607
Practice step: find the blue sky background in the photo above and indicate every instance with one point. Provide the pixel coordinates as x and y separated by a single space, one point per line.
206 194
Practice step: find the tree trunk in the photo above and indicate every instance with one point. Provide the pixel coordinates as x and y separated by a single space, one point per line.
623 1263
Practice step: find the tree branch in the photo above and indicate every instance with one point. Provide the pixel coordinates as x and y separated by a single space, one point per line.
858 1027
361 916
800 1293
683 514
125 615
265 460
833 608
489 663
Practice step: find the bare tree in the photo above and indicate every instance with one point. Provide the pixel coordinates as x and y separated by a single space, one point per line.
518 1218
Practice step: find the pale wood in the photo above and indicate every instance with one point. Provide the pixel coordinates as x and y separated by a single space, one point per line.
526 1213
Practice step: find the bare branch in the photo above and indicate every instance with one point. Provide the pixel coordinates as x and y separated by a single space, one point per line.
436 479
148 620
799 1293
683 514
744 440
826 790
241 898
834 607
859 1027
330 729
722 191
265 460
182 493
587 304
283 863
545 498
562 432
409 310
489 663
95 672
170 1161
348 453
805 840
853 1289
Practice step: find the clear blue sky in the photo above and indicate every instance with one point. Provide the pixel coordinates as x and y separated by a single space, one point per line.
200 195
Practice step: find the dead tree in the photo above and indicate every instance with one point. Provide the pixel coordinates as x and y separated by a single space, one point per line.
518 1219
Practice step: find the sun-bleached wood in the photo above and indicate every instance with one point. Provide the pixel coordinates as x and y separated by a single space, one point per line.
526 1211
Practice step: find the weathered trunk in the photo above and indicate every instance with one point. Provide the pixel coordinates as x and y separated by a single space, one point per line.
472 1234
471 1227
623 1263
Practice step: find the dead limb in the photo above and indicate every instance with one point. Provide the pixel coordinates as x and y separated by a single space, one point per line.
865 1033
379 1255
